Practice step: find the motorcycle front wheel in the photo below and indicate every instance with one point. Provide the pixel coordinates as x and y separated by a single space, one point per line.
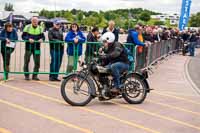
76 90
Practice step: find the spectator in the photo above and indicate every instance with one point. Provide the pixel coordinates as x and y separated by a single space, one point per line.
7 37
75 39
135 36
185 36
165 34
156 36
111 28
138 40
56 50
198 39
148 35
64 28
91 48
160 32
42 25
20 26
193 40
34 36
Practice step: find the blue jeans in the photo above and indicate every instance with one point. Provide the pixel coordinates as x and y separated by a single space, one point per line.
56 61
117 69
192 48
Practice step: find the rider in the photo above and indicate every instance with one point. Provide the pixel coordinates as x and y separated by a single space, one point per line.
115 58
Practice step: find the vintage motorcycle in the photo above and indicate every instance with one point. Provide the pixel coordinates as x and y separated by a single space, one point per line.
94 80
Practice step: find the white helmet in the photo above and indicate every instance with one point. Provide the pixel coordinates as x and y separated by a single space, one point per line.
109 37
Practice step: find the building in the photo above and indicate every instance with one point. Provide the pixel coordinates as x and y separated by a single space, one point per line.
174 18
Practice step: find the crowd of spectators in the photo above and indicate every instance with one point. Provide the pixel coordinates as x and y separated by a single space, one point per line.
33 34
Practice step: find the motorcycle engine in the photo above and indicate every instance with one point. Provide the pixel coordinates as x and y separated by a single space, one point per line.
105 86
93 69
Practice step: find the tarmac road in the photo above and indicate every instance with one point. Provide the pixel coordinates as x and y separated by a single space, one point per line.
37 107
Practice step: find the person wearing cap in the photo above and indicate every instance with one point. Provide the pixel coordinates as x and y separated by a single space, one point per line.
7 36
75 38
91 48
34 36
55 35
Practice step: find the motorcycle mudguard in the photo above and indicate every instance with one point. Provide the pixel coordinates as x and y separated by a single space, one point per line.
142 78
70 74
66 76
145 74
93 90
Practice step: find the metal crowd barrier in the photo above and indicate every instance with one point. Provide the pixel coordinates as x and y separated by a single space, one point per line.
17 59
198 43
148 57
156 51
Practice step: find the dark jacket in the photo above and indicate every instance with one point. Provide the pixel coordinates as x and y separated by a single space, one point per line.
193 38
91 47
33 33
148 37
70 40
185 36
56 35
115 32
116 53
165 35
11 36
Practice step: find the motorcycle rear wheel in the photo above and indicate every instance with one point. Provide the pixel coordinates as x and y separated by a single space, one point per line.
135 90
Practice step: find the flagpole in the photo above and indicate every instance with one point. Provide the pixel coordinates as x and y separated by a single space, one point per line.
54 8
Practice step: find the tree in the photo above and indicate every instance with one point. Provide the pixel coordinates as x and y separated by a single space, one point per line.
8 7
68 15
80 17
167 23
195 20
74 11
159 23
102 21
109 15
90 21
124 18
145 16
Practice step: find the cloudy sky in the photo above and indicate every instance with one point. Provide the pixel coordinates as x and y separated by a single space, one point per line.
164 6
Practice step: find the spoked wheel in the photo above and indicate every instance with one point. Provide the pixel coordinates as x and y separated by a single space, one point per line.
135 90
76 90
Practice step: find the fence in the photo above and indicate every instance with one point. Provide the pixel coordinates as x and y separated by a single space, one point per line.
198 43
20 58
155 52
